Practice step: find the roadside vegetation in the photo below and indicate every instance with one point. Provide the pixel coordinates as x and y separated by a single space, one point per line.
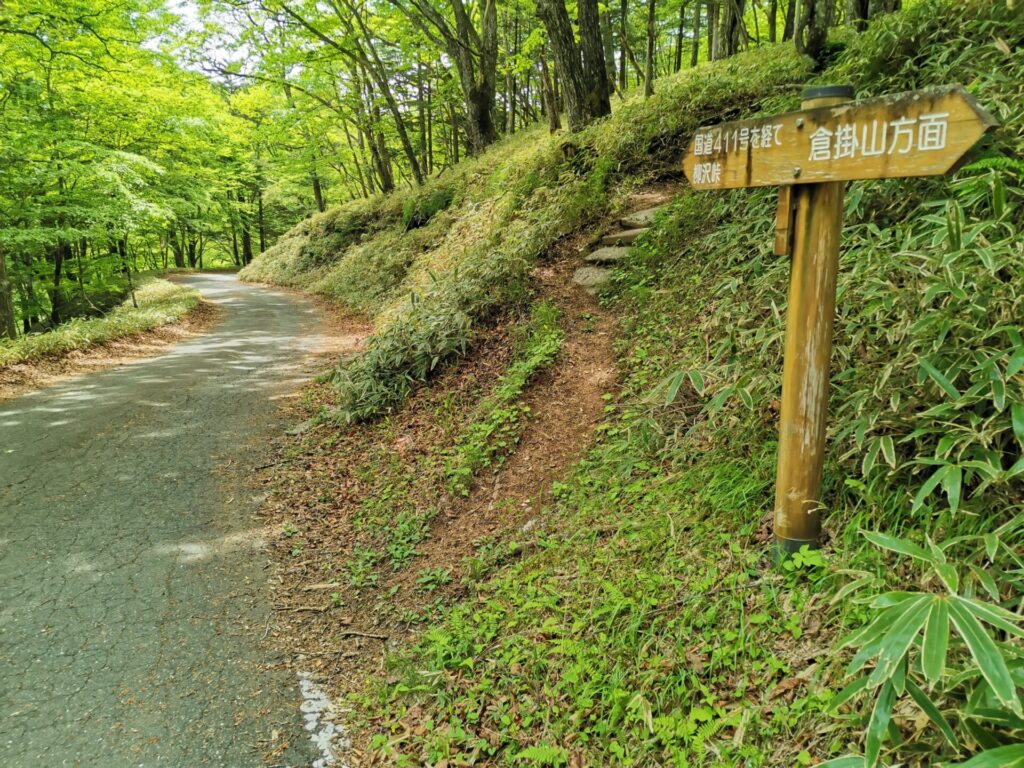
642 623
156 302
649 627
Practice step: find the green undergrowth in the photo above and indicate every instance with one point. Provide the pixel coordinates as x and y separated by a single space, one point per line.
495 429
486 222
641 624
160 302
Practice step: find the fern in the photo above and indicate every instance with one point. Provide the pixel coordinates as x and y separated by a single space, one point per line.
995 161
544 754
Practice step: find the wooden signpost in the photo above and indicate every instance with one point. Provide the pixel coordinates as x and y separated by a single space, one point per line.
810 155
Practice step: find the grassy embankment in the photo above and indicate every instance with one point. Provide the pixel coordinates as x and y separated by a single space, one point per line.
160 302
645 626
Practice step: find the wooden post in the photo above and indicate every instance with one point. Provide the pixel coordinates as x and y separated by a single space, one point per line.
809 318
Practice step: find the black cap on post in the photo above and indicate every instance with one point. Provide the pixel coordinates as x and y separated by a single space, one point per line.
827 91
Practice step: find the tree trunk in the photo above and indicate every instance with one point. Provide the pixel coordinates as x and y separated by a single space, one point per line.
857 14
318 192
261 220
695 47
773 17
548 94
476 59
57 293
731 29
430 132
356 160
8 325
649 71
609 47
595 73
712 28
510 102
246 242
811 32
789 22
421 113
623 42
377 71
234 245
678 62
567 58
455 136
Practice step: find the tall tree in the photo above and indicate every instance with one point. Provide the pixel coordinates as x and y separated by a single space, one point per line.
475 53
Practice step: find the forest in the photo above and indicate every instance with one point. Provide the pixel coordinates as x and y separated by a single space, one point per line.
146 136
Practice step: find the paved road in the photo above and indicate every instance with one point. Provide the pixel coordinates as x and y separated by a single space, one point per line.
131 600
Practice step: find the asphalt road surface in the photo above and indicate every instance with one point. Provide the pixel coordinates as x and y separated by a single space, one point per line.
132 600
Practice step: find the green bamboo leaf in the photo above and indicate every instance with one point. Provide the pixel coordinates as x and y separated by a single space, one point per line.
936 640
951 483
697 380
987 582
1000 618
945 384
1017 419
1016 469
889 451
928 707
849 761
986 655
878 724
898 640
1016 364
929 485
889 599
949 576
674 383
873 633
991 545
847 693
1009 756
900 546
998 394
848 589
868 463
999 717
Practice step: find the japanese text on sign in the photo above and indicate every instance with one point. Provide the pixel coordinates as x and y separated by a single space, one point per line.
927 133
738 139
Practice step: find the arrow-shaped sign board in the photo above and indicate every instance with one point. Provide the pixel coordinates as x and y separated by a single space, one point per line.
923 133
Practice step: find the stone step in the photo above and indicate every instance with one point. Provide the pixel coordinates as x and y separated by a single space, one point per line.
639 219
625 237
591 278
608 255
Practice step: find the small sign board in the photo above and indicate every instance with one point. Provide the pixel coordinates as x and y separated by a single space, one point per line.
923 133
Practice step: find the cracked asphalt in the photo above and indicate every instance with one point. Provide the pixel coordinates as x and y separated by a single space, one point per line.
132 600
